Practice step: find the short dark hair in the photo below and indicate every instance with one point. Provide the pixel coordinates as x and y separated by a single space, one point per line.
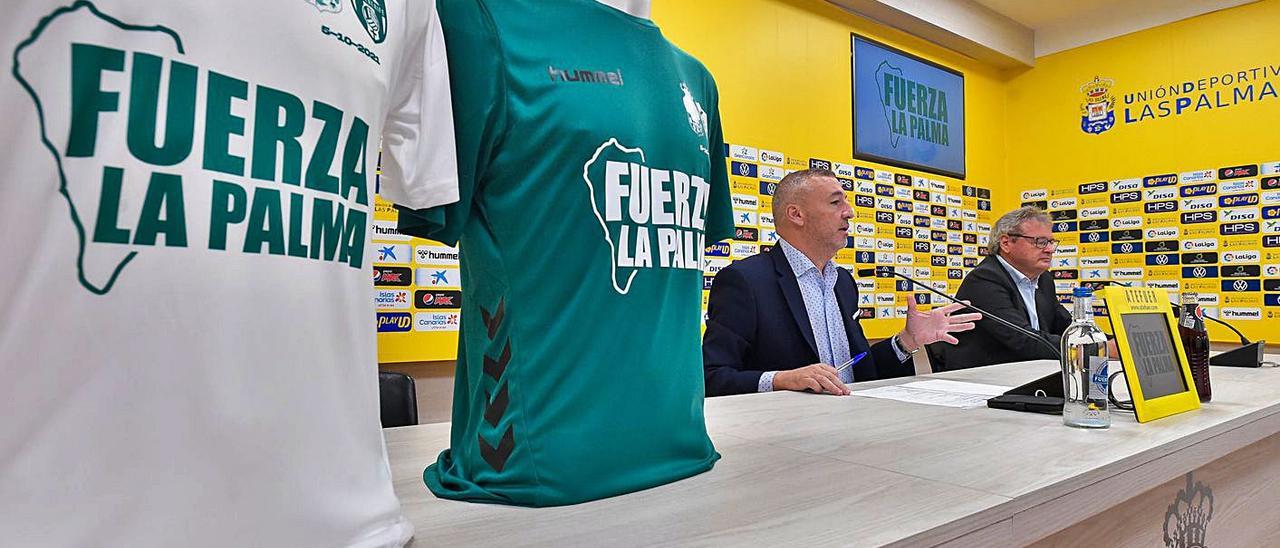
790 186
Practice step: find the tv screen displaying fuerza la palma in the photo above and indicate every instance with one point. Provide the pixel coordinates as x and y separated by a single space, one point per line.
907 111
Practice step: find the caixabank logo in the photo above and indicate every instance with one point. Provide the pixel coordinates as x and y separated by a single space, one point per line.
1098 111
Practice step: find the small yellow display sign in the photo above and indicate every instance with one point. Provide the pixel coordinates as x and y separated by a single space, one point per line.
1155 363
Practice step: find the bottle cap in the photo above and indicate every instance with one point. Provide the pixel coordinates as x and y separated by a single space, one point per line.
1082 291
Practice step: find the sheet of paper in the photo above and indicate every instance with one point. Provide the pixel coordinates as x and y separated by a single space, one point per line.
937 392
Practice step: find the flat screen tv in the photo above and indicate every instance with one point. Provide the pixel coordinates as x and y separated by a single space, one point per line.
907 111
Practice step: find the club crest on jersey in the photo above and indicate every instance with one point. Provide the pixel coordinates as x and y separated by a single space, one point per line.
373 15
697 116
331 6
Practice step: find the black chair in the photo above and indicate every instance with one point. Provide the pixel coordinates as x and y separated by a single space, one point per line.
399 399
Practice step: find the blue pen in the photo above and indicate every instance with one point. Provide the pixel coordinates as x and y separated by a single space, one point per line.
852 361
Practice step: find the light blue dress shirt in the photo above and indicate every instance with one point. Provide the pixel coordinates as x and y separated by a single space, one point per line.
818 291
1027 287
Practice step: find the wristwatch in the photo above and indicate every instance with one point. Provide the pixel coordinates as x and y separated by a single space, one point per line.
897 341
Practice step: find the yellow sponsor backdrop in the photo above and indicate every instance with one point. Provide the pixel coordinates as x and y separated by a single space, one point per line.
783 70
782 67
418 297
1222 70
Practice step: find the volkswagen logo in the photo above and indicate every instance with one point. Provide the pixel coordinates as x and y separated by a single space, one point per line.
1162 259
1199 272
1093 236
1128 248
1240 285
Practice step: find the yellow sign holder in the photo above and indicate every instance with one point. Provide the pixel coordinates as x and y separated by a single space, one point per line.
1155 363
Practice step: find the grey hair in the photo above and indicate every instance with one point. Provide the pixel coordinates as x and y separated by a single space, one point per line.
1009 222
792 186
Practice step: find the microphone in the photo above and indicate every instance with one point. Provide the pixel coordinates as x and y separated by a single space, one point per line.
1250 354
880 270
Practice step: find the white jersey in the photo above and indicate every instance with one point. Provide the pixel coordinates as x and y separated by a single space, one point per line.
186 315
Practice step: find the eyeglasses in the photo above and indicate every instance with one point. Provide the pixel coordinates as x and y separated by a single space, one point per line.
1040 241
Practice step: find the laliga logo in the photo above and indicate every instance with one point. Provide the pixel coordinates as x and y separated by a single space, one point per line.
1097 112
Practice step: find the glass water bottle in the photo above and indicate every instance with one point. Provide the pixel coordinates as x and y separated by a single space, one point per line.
1084 367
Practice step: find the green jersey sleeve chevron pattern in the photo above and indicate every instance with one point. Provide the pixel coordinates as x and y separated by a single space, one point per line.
591 177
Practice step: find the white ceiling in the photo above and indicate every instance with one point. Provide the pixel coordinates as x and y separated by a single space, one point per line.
1065 24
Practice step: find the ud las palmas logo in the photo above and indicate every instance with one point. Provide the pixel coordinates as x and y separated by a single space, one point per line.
118 106
1186 521
373 15
1098 111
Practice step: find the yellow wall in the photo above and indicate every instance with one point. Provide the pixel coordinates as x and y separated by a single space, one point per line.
783 71
1044 143
1046 149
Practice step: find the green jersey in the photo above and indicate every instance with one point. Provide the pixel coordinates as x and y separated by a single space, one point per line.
593 175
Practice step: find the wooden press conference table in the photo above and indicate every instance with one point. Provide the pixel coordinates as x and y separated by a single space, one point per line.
806 469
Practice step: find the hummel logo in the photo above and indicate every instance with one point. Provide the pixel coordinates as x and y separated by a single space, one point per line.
613 78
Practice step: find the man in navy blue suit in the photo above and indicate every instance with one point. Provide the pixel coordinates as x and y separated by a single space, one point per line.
780 320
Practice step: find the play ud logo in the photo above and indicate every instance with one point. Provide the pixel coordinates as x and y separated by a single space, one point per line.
122 114
651 217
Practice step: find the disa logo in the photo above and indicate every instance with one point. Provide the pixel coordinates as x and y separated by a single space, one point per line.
1097 112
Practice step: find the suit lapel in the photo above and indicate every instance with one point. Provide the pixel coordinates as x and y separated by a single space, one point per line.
791 292
1046 299
1013 286
847 297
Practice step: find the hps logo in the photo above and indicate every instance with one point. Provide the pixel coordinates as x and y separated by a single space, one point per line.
1125 197
1093 188
1199 217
